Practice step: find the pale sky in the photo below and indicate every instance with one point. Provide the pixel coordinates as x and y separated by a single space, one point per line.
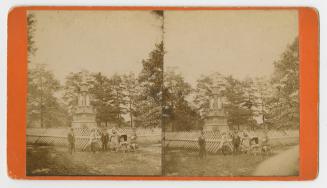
239 43
98 41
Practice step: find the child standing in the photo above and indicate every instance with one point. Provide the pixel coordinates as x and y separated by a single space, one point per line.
114 140
133 142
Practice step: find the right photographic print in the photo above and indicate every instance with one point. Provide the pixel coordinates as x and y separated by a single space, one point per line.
231 93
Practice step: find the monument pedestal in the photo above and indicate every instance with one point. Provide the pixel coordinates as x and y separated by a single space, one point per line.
216 121
84 116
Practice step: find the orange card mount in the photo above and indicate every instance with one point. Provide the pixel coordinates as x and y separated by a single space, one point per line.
33 150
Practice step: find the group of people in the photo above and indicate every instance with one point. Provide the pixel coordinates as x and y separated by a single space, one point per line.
234 142
111 140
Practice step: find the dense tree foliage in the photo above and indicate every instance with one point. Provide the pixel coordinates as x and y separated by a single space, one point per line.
285 82
31 23
120 96
151 76
151 84
131 94
178 112
238 98
267 102
43 107
102 98
240 102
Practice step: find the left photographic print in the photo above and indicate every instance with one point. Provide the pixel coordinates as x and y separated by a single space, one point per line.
94 93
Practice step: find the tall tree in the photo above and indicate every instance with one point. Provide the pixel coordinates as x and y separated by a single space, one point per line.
31 23
160 15
42 105
238 105
148 113
178 113
151 76
118 96
151 83
131 90
102 98
249 93
263 92
285 80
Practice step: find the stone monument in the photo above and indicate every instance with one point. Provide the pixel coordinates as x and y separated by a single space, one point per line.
84 114
215 119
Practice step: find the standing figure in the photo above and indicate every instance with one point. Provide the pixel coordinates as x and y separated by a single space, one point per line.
71 141
225 145
245 142
114 140
133 142
202 146
266 149
104 140
236 142
93 140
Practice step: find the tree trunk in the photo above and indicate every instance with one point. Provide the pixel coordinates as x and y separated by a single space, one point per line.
41 116
130 113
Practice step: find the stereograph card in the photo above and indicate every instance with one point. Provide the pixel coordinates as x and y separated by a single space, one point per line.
163 93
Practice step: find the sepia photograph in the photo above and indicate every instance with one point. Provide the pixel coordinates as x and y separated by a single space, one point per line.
182 93
231 93
94 93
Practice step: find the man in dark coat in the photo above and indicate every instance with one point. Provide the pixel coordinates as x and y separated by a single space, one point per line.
104 140
202 146
71 141
236 142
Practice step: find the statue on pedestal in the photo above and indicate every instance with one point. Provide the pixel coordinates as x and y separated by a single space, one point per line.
216 119
84 114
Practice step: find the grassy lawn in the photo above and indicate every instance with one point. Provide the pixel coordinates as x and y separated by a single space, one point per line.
187 163
47 160
50 161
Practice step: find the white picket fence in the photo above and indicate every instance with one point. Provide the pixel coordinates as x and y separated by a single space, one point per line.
189 140
186 140
58 136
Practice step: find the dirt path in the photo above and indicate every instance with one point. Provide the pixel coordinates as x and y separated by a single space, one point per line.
285 163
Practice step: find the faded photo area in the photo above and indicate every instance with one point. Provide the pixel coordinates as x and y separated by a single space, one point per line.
163 93
94 93
231 93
